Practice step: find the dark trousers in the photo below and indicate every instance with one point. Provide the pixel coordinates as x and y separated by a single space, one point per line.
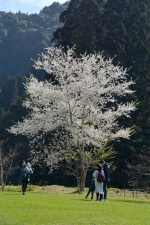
92 193
24 185
99 197
105 190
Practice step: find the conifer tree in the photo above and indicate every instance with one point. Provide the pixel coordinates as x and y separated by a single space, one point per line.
80 20
119 29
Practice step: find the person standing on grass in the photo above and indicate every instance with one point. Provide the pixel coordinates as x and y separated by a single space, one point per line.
98 185
25 176
106 169
91 189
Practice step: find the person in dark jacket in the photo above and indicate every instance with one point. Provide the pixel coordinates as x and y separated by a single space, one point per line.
25 176
106 169
91 189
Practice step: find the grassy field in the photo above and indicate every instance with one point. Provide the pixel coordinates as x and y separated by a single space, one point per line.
60 206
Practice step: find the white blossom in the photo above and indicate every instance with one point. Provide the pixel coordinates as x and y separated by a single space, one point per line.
85 100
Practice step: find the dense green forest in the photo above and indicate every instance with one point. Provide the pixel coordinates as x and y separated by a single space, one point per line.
24 36
119 29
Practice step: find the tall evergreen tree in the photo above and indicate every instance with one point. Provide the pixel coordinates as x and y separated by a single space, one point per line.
80 20
13 88
118 28
127 37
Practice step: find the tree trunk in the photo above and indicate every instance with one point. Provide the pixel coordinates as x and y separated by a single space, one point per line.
1 170
82 171
3 186
81 180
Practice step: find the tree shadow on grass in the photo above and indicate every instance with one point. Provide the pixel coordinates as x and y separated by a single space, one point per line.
4 194
131 201
73 192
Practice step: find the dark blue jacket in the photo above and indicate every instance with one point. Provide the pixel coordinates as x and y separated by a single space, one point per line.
24 175
106 170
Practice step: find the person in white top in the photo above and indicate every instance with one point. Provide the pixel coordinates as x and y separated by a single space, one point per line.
98 185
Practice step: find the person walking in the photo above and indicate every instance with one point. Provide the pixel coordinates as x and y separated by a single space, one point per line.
25 176
98 185
106 169
91 189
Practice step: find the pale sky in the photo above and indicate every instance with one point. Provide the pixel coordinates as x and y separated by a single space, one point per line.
26 6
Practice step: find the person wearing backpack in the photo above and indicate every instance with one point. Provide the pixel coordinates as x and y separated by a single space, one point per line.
98 185
106 169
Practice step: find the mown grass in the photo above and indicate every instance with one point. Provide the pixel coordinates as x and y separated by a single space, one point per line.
66 208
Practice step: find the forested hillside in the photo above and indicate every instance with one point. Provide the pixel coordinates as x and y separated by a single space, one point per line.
119 29
24 36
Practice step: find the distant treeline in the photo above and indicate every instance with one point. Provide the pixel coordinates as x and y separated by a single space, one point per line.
24 36
118 29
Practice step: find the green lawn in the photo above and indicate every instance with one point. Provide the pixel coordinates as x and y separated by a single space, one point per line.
70 209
